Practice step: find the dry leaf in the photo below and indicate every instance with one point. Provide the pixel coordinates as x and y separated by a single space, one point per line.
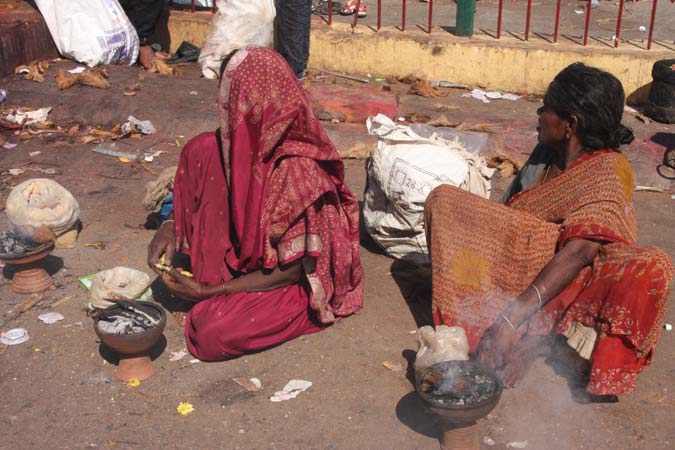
481 127
359 151
134 87
441 107
418 118
73 130
129 94
444 122
161 67
95 77
425 89
35 71
506 165
89 139
408 79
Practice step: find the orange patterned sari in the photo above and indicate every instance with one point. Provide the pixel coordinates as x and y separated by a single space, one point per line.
485 254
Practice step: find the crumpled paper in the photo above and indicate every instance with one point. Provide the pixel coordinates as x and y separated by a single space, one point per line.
132 124
292 389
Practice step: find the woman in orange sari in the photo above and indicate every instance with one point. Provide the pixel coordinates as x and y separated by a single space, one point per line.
561 256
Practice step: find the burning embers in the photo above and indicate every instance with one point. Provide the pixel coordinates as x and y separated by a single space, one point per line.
458 384
14 243
126 318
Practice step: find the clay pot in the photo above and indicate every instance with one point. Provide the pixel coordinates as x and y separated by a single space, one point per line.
29 275
457 423
133 348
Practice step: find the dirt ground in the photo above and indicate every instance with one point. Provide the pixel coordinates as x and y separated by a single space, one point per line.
58 389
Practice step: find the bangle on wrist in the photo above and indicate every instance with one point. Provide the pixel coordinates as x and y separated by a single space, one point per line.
539 299
506 319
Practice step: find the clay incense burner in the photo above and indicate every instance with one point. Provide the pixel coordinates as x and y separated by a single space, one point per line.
459 393
133 347
30 277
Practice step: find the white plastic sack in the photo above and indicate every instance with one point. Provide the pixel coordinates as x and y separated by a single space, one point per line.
91 31
440 345
120 283
237 24
42 201
404 169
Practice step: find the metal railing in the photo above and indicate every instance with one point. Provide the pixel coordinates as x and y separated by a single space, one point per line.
528 19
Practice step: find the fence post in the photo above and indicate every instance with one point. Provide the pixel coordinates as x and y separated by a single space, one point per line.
466 10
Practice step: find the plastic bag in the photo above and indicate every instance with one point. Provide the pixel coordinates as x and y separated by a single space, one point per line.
237 24
404 169
443 344
42 201
91 31
120 283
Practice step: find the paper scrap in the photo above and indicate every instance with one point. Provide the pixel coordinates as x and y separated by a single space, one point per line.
14 336
250 384
177 356
488 441
392 365
34 153
522 444
28 117
579 11
144 126
77 70
194 361
16 172
9 145
486 96
50 317
668 327
292 389
194 93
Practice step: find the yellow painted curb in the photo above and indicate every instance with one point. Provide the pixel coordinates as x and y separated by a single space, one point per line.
508 64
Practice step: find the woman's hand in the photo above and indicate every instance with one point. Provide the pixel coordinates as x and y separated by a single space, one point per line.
164 242
495 346
187 288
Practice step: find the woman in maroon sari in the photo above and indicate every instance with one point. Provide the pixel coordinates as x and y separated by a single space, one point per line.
264 214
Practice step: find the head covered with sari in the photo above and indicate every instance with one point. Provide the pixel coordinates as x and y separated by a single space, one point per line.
285 184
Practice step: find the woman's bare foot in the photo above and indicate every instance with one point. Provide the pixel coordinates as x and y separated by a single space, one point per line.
523 355
180 317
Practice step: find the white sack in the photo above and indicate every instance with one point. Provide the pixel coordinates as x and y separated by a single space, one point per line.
404 169
41 201
120 283
91 31
440 345
237 24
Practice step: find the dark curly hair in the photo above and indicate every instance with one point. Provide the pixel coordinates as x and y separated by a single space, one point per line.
597 99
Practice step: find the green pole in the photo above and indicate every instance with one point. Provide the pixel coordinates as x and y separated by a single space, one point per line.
466 9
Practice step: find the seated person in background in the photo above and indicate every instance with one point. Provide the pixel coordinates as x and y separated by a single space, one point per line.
561 256
263 212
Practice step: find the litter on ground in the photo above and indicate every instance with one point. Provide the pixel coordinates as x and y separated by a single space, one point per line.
250 384
50 317
14 336
292 389
486 96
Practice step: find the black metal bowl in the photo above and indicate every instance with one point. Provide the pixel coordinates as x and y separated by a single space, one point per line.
458 414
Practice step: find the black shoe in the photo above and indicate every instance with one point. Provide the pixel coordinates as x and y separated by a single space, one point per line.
186 53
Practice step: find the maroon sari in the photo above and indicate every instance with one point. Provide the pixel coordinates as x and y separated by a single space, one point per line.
273 195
